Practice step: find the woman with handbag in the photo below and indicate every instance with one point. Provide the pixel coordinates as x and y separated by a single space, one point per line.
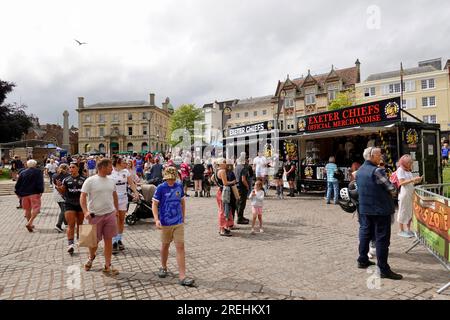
223 198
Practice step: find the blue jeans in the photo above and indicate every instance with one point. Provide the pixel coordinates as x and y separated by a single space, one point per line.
379 227
333 186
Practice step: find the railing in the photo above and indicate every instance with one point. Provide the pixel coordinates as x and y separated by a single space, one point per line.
431 222
441 191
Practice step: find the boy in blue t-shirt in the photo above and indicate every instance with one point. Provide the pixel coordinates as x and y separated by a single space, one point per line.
169 212
91 164
444 154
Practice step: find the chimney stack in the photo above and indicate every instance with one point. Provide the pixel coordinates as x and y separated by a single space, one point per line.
358 71
80 102
166 104
152 99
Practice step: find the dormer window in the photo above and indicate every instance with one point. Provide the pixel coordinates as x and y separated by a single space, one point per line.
332 91
310 96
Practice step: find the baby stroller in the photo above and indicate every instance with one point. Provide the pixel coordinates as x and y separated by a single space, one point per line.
143 209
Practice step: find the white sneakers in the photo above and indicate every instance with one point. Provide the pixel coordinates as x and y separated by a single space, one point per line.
372 252
71 248
260 231
406 234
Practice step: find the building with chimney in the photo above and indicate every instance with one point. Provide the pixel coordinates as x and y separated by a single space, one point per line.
311 94
119 127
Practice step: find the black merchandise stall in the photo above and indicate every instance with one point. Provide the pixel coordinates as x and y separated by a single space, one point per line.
346 132
251 139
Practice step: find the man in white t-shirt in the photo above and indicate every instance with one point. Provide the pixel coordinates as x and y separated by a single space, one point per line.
50 169
100 203
260 167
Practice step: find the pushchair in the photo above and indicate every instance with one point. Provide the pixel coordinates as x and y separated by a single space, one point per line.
143 209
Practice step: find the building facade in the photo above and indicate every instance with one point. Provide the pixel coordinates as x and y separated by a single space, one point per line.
426 93
223 115
118 127
311 94
248 111
53 133
216 114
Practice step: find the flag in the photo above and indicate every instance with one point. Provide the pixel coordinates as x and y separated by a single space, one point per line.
401 77
402 105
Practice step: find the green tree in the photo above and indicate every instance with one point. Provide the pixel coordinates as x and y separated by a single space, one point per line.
184 118
14 122
343 99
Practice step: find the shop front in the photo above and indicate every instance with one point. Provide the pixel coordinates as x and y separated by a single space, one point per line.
345 133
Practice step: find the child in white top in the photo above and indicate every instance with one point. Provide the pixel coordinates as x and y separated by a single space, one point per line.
257 197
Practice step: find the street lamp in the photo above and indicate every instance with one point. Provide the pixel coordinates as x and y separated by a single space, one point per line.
225 111
148 131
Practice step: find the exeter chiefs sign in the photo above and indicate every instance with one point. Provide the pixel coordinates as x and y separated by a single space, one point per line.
253 128
368 113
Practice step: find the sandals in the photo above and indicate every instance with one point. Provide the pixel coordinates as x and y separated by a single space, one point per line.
187 282
29 228
88 264
225 233
110 271
162 273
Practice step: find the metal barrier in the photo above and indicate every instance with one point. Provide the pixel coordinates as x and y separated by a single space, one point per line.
431 222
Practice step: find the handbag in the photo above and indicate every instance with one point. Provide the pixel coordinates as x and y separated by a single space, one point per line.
235 192
88 235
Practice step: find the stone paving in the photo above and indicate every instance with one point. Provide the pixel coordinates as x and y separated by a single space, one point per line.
308 251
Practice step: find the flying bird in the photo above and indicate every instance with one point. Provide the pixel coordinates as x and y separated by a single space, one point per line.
80 43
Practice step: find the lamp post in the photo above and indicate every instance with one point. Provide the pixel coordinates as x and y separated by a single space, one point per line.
225 111
148 131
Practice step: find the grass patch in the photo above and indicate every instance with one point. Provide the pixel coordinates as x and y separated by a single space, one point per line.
5 174
446 175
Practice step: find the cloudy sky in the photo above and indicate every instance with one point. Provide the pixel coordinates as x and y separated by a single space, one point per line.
198 51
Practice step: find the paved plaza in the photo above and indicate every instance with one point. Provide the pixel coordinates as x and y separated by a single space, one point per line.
308 251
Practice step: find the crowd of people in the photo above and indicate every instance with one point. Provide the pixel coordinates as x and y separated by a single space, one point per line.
98 189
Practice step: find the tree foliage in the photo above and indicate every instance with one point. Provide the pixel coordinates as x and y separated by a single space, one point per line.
14 122
343 99
184 118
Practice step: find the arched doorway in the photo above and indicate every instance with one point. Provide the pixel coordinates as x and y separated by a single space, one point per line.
114 146
144 147
101 148
130 147
87 148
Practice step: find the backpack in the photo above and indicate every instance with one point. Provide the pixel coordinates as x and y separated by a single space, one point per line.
394 180
338 174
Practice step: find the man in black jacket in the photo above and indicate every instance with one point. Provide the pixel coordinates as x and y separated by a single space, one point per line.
29 187
243 178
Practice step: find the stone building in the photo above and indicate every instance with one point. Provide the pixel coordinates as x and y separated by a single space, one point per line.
118 127
53 133
426 91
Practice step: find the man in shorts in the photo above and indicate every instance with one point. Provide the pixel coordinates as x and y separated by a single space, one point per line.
260 165
100 203
289 168
169 212
29 187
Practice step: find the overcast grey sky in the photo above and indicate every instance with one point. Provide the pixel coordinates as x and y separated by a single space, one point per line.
198 51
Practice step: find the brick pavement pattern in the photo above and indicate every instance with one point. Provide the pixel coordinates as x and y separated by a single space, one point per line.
308 251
